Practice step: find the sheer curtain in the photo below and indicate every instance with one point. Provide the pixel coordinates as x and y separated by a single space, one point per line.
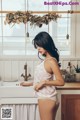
24 111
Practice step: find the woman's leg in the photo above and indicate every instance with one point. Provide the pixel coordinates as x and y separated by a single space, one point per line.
47 109
55 111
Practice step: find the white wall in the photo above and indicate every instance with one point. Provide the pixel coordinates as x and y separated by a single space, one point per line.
12 68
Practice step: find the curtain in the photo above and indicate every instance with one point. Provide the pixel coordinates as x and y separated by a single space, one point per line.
23 111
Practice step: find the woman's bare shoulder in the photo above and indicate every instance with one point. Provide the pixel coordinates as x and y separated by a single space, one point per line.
53 61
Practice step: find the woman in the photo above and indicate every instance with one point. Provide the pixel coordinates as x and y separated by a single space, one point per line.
44 81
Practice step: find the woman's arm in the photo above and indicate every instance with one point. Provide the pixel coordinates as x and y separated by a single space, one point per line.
26 83
56 71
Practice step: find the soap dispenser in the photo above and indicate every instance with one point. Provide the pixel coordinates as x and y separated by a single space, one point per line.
69 67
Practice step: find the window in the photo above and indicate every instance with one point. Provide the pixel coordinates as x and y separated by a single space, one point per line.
13 40
63 28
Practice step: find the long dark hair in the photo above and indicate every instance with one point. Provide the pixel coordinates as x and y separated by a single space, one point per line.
44 40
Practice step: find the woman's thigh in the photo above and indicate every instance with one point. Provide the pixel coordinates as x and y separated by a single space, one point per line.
47 109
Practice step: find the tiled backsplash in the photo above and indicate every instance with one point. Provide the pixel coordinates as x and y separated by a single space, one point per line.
11 69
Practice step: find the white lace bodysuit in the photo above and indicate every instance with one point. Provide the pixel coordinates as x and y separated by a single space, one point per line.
48 92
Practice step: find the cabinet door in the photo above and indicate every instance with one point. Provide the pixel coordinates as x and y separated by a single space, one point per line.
70 107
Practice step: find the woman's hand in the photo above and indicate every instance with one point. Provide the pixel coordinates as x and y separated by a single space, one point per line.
39 85
26 83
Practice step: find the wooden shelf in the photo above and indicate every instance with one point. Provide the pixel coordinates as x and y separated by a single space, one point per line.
43 12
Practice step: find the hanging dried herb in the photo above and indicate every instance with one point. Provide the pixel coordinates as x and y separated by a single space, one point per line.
21 17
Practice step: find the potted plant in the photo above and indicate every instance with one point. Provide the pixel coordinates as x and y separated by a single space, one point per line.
77 69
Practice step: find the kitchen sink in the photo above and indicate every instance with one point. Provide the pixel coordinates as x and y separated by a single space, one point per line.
13 89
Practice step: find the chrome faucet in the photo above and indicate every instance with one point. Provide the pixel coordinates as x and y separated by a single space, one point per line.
25 76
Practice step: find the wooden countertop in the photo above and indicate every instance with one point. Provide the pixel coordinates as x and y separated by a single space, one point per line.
70 86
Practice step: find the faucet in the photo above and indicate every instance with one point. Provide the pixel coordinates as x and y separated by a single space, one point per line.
25 76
